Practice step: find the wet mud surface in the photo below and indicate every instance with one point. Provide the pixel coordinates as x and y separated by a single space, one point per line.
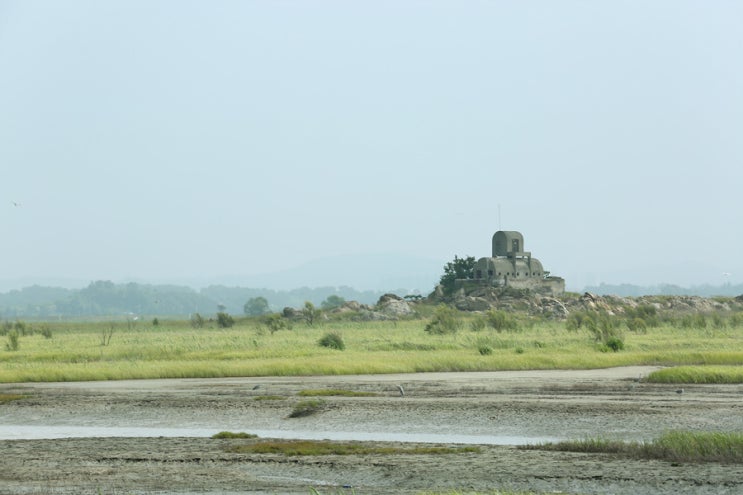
528 405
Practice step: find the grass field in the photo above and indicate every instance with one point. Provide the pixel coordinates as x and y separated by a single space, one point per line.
67 351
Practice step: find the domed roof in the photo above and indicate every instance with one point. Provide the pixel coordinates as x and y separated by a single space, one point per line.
507 243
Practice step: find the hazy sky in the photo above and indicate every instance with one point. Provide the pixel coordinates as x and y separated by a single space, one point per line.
171 139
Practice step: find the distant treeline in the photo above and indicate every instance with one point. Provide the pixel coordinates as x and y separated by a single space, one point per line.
629 290
104 298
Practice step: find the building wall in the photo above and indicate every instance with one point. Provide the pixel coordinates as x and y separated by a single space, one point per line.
512 266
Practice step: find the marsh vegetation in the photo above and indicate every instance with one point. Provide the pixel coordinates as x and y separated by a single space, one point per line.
437 339
326 447
677 446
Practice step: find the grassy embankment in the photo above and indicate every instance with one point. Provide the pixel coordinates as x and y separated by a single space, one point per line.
679 446
93 351
698 374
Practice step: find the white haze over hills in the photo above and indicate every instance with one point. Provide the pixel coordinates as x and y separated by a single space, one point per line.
361 272
328 142
388 272
377 272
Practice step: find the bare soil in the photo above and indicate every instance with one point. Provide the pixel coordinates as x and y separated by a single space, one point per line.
613 403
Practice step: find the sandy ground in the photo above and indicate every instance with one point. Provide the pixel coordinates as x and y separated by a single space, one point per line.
528 405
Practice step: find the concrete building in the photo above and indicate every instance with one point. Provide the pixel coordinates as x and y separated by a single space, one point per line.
511 266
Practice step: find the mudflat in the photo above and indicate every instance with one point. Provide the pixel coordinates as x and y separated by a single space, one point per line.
488 408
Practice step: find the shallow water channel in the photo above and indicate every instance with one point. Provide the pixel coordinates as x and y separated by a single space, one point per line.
37 432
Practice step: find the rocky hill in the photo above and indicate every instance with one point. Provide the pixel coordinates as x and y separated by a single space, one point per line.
506 299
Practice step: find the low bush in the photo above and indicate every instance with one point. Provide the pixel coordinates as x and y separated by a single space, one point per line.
736 320
605 330
478 324
484 350
445 320
500 320
332 340
224 320
718 321
46 331
230 434
578 320
275 322
306 408
696 320
614 343
645 312
637 325
335 392
13 343
22 328
196 320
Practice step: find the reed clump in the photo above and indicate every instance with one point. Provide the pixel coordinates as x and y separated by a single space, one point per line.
306 408
10 397
325 447
231 434
698 374
334 392
676 446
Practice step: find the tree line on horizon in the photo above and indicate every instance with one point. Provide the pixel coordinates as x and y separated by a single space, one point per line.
105 298
631 290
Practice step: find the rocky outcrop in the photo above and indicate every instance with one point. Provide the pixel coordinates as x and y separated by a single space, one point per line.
553 308
394 306
483 299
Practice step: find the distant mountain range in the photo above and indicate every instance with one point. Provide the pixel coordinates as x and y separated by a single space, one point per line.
363 278
377 272
363 272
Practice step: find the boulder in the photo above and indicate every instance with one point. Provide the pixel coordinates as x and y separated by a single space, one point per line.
351 306
367 315
469 303
553 308
393 305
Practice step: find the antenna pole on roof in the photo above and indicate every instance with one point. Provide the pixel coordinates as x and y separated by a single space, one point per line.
499 228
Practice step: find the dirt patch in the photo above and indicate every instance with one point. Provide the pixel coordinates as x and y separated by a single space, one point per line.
534 404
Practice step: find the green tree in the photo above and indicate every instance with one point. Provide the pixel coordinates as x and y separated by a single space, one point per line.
224 320
310 313
332 302
256 306
458 268
197 321
275 322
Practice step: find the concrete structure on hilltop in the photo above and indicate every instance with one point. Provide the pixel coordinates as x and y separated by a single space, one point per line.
511 266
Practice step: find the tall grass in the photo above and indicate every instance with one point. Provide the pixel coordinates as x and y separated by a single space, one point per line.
678 446
177 350
698 374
